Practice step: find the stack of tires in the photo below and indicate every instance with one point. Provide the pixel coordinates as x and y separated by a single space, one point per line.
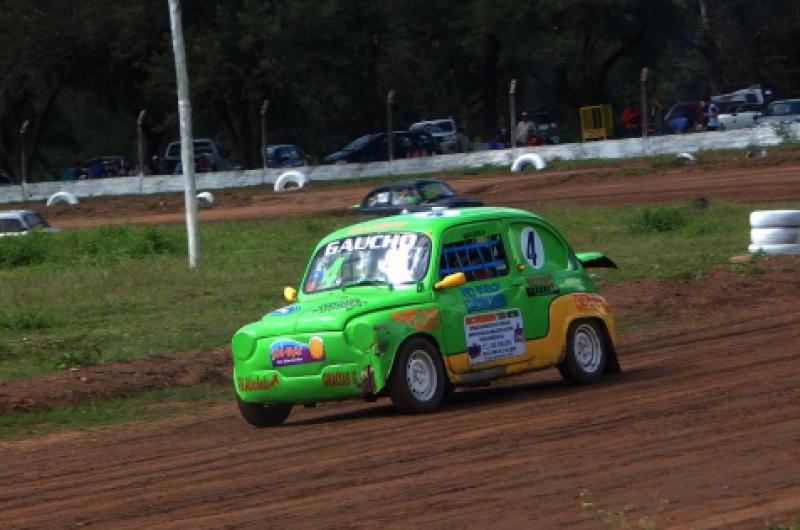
775 231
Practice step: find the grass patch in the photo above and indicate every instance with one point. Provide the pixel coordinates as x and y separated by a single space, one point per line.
657 220
147 406
118 293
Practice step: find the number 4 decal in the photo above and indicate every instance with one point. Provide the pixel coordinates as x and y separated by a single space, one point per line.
532 248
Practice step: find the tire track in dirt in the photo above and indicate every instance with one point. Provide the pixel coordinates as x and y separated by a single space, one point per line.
505 456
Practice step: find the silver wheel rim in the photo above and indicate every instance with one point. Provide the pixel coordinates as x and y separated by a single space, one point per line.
588 348
421 375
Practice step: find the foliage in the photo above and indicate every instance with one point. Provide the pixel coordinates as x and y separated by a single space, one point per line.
326 66
656 220
100 246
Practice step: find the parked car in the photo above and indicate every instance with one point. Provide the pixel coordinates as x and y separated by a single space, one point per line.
412 196
685 116
375 147
781 111
21 222
208 156
285 155
737 115
444 131
413 305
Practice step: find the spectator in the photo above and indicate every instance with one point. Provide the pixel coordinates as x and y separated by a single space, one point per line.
499 141
523 126
462 140
631 121
97 170
533 140
712 116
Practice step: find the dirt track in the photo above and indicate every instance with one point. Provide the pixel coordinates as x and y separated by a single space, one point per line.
705 415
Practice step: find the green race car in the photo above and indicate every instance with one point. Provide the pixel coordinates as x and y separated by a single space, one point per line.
414 305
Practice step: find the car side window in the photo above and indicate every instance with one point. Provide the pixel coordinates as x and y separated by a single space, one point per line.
479 258
404 197
379 198
11 226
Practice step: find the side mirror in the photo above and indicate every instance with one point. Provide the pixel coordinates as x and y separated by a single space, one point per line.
290 294
451 280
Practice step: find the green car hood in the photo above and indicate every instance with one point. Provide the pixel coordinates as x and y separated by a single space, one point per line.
330 311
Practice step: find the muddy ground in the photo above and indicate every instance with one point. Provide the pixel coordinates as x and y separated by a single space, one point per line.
705 414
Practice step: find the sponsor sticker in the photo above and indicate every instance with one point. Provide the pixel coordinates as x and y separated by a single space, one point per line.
492 336
287 352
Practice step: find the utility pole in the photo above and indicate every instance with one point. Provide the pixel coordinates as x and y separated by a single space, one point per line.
512 113
22 159
389 133
643 90
264 107
140 142
187 137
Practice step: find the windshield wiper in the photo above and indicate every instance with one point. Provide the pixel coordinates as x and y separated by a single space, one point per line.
371 281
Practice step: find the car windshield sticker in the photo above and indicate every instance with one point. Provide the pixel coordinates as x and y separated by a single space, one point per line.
286 352
532 248
493 336
398 241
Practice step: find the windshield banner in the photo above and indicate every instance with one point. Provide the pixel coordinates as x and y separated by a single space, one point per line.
398 241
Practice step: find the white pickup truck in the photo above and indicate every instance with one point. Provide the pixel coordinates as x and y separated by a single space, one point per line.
738 116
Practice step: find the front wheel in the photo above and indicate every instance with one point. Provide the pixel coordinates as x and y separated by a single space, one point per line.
417 382
586 355
260 415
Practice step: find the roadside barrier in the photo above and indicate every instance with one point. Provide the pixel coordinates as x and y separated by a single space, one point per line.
755 137
775 231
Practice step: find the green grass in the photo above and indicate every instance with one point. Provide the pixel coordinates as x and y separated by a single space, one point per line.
98 295
146 406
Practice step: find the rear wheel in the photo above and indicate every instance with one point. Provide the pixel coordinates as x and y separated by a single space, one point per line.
586 355
417 382
260 415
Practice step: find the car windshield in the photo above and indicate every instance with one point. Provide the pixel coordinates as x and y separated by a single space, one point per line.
432 191
445 125
358 143
370 259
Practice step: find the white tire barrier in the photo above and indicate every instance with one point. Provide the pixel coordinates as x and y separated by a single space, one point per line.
775 236
774 218
62 196
774 249
296 178
687 158
528 159
206 197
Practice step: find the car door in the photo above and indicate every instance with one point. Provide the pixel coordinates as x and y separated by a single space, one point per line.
479 317
540 262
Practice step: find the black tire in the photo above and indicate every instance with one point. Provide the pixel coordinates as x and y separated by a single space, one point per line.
260 415
417 382
587 353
